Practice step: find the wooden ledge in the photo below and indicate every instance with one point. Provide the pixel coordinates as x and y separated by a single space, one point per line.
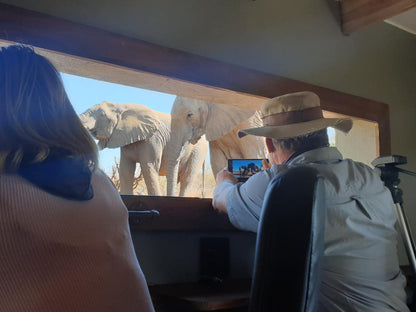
175 214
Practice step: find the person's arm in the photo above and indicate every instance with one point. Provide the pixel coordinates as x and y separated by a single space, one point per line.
225 182
242 201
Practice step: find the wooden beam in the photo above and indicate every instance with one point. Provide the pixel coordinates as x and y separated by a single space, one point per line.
357 14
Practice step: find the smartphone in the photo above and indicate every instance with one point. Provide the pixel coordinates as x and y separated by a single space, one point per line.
242 169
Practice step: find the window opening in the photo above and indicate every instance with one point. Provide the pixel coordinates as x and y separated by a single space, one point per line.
360 144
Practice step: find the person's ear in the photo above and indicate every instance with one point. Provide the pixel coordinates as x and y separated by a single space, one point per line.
270 146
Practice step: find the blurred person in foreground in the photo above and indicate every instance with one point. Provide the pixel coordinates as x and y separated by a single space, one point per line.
360 268
65 243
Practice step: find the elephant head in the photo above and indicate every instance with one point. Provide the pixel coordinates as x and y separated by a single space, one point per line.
193 118
117 125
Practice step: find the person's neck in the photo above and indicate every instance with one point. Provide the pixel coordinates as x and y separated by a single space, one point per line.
279 156
285 156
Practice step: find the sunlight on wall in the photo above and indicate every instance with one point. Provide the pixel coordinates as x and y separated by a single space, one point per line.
361 143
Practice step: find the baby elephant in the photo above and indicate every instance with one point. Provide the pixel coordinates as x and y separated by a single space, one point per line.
143 136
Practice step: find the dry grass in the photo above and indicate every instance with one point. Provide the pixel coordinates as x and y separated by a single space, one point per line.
139 187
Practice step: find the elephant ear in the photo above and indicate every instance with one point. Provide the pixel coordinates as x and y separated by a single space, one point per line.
134 126
224 118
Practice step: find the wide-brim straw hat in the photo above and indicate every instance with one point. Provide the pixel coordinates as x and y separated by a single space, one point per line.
292 115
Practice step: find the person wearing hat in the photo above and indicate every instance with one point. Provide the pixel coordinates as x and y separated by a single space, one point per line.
361 270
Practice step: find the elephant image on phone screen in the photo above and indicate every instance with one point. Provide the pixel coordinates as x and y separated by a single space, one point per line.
192 118
143 136
249 170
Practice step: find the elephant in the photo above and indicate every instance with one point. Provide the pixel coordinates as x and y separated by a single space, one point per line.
252 169
243 170
143 136
192 118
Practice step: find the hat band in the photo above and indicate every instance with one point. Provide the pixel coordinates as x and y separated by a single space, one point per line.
287 118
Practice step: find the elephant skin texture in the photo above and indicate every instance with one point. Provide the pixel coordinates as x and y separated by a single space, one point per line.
143 136
191 119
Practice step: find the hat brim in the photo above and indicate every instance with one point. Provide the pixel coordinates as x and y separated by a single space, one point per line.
298 129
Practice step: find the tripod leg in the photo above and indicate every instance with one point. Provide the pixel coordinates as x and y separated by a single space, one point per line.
410 250
407 237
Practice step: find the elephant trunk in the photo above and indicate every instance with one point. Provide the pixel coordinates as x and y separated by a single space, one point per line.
173 169
175 152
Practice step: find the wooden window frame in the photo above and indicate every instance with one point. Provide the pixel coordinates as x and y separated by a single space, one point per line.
357 14
168 69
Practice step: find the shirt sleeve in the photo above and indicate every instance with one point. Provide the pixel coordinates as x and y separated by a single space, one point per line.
244 201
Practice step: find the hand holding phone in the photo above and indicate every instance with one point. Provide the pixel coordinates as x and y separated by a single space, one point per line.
225 175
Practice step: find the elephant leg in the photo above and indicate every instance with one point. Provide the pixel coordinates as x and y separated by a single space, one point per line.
126 173
151 178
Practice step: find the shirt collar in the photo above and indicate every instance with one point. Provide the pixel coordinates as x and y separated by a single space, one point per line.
321 155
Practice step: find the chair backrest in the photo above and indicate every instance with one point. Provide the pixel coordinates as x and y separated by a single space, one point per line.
290 243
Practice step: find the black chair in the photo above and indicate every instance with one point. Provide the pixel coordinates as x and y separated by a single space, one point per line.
290 243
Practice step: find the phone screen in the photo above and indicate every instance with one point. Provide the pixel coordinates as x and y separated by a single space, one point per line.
242 169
